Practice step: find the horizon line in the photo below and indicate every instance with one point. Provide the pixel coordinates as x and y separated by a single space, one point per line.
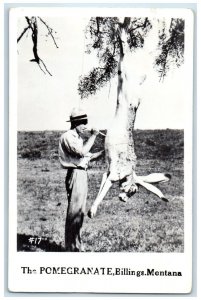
40 130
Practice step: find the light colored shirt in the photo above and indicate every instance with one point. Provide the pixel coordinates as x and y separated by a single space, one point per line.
70 150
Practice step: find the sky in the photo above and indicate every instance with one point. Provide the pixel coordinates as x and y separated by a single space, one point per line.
45 102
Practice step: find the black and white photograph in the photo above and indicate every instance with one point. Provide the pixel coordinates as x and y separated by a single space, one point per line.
101 135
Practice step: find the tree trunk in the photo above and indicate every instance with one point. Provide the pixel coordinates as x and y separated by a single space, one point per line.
119 141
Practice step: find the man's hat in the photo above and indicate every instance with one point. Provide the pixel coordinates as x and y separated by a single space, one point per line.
77 114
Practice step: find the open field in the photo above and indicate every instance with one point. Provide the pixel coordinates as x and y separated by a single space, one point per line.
143 224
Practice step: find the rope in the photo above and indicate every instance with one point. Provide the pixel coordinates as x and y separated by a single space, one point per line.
82 65
109 89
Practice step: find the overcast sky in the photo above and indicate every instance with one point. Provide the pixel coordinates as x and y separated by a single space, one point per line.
45 102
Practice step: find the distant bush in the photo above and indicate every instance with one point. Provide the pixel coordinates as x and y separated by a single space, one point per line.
150 142
165 149
31 154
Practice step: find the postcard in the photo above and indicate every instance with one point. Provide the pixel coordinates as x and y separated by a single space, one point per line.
100 150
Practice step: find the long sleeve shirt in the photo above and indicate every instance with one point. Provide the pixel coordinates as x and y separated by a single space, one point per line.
70 150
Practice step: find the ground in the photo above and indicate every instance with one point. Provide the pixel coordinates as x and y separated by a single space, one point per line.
143 224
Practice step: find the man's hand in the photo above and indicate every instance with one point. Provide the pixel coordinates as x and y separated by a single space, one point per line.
94 131
87 146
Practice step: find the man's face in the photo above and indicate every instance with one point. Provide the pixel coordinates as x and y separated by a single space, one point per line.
81 128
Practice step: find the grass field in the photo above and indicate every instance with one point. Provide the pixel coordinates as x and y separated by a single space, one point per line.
143 224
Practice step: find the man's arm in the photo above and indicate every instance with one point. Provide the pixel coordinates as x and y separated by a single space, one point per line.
96 155
87 146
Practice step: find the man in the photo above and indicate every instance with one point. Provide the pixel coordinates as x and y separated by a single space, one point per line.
74 155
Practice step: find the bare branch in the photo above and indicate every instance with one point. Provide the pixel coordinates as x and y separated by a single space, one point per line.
50 30
137 27
29 22
23 32
45 67
35 40
34 27
41 68
120 42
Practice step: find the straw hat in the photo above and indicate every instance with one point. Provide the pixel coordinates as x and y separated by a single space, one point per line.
77 114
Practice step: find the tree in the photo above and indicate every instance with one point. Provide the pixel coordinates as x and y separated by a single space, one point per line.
113 39
105 37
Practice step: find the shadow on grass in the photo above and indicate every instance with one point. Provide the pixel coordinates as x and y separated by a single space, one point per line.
32 243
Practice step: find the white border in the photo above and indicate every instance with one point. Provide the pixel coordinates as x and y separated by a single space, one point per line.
140 261
2 149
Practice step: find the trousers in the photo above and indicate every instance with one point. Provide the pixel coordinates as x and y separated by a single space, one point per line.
77 189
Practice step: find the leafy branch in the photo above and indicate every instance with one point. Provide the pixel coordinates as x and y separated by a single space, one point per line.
104 35
171 48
